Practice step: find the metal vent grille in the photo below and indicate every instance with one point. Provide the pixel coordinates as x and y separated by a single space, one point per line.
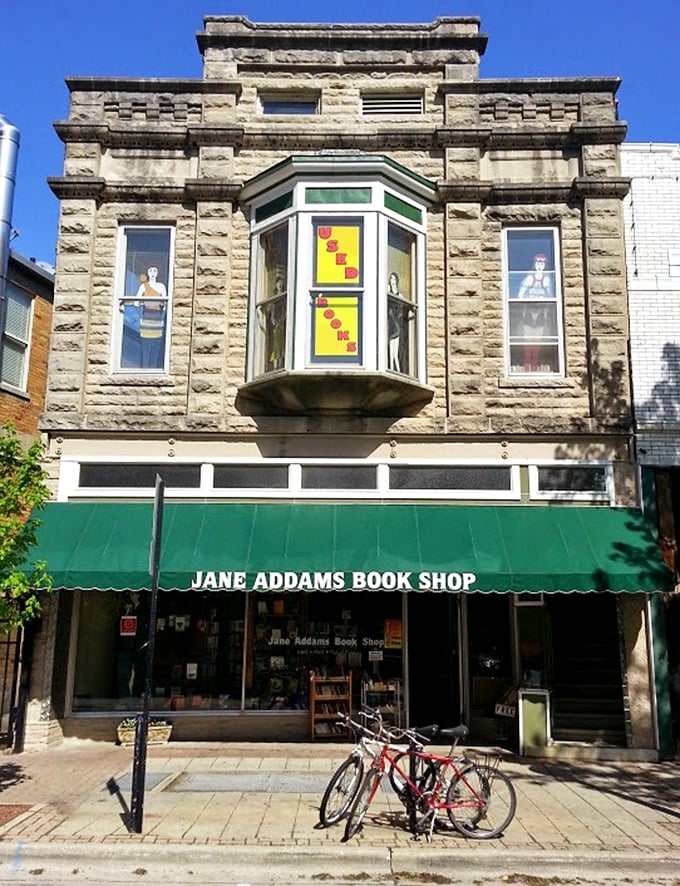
390 104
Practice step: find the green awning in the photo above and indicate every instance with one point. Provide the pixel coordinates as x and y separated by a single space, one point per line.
305 546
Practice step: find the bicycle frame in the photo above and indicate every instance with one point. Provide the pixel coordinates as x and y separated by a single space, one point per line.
346 780
432 800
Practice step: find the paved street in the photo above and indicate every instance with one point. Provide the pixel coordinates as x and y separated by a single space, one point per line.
213 808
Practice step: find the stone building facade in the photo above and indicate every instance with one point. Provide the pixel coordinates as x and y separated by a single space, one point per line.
348 294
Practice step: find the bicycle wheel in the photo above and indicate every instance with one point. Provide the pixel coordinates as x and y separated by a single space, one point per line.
425 775
341 790
482 802
357 813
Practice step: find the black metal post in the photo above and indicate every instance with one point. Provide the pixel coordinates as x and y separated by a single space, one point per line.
142 724
411 804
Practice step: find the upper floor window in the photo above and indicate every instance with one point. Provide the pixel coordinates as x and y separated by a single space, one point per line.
533 302
338 275
288 103
16 337
143 298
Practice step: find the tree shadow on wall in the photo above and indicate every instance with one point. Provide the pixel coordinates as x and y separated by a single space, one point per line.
610 405
663 405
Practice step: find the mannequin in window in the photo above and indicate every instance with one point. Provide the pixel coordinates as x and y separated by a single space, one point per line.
534 323
276 324
397 317
537 284
152 318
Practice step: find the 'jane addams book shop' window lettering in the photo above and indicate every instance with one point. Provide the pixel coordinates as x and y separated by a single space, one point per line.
334 581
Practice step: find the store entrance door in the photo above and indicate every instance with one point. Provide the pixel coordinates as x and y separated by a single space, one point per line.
433 662
490 666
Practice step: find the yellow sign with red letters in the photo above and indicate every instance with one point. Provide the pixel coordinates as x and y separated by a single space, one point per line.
338 254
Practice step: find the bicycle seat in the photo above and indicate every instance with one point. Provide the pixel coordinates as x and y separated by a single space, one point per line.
452 732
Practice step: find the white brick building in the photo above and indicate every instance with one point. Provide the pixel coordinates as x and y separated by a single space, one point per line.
652 232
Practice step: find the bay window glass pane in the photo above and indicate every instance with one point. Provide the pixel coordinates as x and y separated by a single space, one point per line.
144 301
401 252
271 308
401 308
336 327
338 252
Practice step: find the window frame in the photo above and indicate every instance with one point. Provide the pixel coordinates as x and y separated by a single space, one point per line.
120 298
70 489
538 494
300 212
290 100
556 340
11 288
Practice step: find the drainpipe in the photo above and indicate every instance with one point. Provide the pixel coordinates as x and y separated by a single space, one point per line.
9 148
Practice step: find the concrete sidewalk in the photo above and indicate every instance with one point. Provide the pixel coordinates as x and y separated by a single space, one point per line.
267 795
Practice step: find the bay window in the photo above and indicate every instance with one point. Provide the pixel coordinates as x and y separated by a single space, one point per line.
337 285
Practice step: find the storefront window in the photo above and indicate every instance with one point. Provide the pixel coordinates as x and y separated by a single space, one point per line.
202 641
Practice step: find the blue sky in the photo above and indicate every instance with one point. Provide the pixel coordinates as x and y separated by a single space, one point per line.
44 41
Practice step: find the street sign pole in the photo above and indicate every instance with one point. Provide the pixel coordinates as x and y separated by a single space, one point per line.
142 724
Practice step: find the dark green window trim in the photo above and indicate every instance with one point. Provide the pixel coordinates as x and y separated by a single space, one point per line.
403 208
285 201
338 195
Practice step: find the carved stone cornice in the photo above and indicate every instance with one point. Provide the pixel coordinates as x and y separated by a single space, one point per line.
371 142
169 137
212 190
498 138
540 85
77 187
464 191
121 86
183 135
599 133
98 189
488 193
609 188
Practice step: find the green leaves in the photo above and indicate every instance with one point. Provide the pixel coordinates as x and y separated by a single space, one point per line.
23 492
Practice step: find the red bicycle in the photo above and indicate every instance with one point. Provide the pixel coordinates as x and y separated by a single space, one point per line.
440 791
